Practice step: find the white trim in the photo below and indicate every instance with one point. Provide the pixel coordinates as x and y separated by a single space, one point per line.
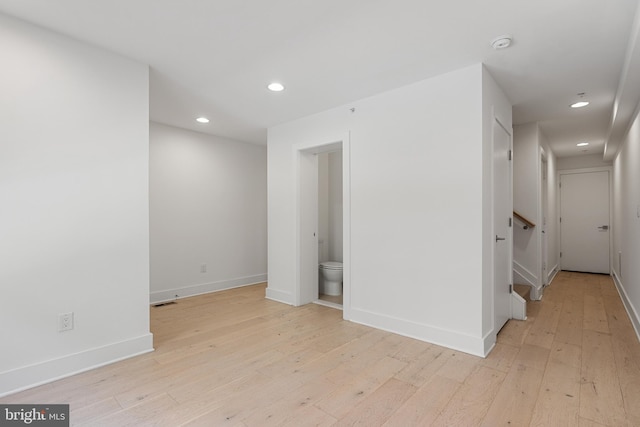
328 304
509 236
205 288
631 311
279 296
45 372
525 274
552 273
530 278
477 346
608 169
320 145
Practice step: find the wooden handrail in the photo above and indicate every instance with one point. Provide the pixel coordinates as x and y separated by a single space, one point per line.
526 222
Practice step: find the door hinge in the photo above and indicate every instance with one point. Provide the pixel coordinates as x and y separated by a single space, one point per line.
509 154
560 254
510 289
509 221
560 185
560 219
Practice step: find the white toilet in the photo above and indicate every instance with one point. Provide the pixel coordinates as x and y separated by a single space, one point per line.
331 278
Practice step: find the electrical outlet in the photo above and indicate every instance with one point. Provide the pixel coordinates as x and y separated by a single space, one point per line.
203 268
65 322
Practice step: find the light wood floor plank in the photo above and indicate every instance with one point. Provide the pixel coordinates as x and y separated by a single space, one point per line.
234 358
600 393
469 405
558 402
378 407
517 395
426 404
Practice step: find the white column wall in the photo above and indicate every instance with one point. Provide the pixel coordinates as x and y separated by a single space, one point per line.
208 202
416 207
74 194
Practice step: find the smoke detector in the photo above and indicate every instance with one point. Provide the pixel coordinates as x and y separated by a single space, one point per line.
501 42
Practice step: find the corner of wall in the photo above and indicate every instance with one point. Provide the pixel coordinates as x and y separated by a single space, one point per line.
634 316
26 377
280 296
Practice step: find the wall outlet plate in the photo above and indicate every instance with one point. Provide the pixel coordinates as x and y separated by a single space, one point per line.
65 322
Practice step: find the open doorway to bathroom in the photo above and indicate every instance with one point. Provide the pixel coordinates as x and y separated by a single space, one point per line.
330 229
322 228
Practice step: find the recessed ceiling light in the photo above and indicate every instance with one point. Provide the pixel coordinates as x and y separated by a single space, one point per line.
202 120
582 144
579 104
275 87
501 42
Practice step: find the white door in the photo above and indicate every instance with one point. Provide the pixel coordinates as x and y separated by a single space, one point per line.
308 228
543 226
584 222
502 211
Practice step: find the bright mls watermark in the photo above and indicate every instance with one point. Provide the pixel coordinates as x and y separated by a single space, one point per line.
34 415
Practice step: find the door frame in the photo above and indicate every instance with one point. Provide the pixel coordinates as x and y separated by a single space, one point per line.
608 169
509 241
301 189
543 216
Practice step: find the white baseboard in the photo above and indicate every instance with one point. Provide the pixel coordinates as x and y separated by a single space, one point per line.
552 274
37 374
204 288
279 296
631 311
476 346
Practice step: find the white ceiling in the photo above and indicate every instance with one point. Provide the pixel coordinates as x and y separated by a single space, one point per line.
214 58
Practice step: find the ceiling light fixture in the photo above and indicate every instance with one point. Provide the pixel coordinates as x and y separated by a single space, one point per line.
202 120
501 42
275 87
579 104
582 144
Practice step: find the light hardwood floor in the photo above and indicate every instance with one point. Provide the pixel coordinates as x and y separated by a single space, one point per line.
234 358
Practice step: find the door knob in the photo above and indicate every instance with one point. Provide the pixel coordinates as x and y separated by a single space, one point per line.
603 227
500 238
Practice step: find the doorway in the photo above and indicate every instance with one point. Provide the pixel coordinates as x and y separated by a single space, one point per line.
584 220
307 228
330 202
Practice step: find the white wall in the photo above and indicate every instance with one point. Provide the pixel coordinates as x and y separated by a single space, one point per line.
208 199
526 201
323 207
74 196
529 145
335 205
626 221
495 106
582 162
552 214
416 224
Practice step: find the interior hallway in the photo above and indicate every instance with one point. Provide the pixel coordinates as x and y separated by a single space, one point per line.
236 358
